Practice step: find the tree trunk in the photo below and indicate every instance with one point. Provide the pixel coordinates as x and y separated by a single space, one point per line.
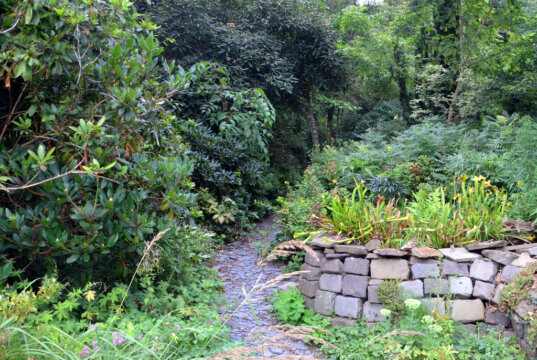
312 123
330 124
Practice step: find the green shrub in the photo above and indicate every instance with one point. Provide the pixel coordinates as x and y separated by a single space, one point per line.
289 308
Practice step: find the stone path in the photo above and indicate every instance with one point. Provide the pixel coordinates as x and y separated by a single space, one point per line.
237 266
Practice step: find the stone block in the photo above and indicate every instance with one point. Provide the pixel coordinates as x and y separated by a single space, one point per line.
372 294
356 266
524 260
421 271
483 290
355 285
436 286
417 260
425 252
509 272
373 245
497 317
466 329
389 269
309 302
484 270
372 256
324 302
285 286
331 282
518 325
312 260
460 255
332 266
524 307
348 306
453 268
434 304
325 241
351 249
329 252
460 286
372 312
502 257
466 310
390 252
307 287
314 272
412 288
497 292
486 245
342 322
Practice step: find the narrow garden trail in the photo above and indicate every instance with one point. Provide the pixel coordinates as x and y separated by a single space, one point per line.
238 266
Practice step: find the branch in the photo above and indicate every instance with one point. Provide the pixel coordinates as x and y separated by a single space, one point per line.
491 55
74 171
12 26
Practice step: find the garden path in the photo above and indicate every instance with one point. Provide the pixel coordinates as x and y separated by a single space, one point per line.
237 264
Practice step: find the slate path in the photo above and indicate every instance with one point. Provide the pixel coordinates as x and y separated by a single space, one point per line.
237 267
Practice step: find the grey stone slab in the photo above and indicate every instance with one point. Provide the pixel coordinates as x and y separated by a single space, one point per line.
372 256
342 322
520 248
390 252
351 249
524 307
332 266
328 252
326 241
460 255
502 257
417 260
453 268
524 260
331 282
421 271
494 316
486 245
466 310
425 252
390 269
461 286
533 251
483 290
437 305
372 312
372 294
518 325
348 306
509 272
436 287
324 302
484 270
307 287
497 292
412 288
314 261
314 272
373 245
355 285
356 266
309 302
340 256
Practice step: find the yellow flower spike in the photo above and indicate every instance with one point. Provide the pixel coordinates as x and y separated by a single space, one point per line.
389 148
463 178
89 295
334 181
286 182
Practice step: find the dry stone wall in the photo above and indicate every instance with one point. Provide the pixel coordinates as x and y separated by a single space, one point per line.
462 282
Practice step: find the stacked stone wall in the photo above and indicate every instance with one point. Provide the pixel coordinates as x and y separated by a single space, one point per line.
465 283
